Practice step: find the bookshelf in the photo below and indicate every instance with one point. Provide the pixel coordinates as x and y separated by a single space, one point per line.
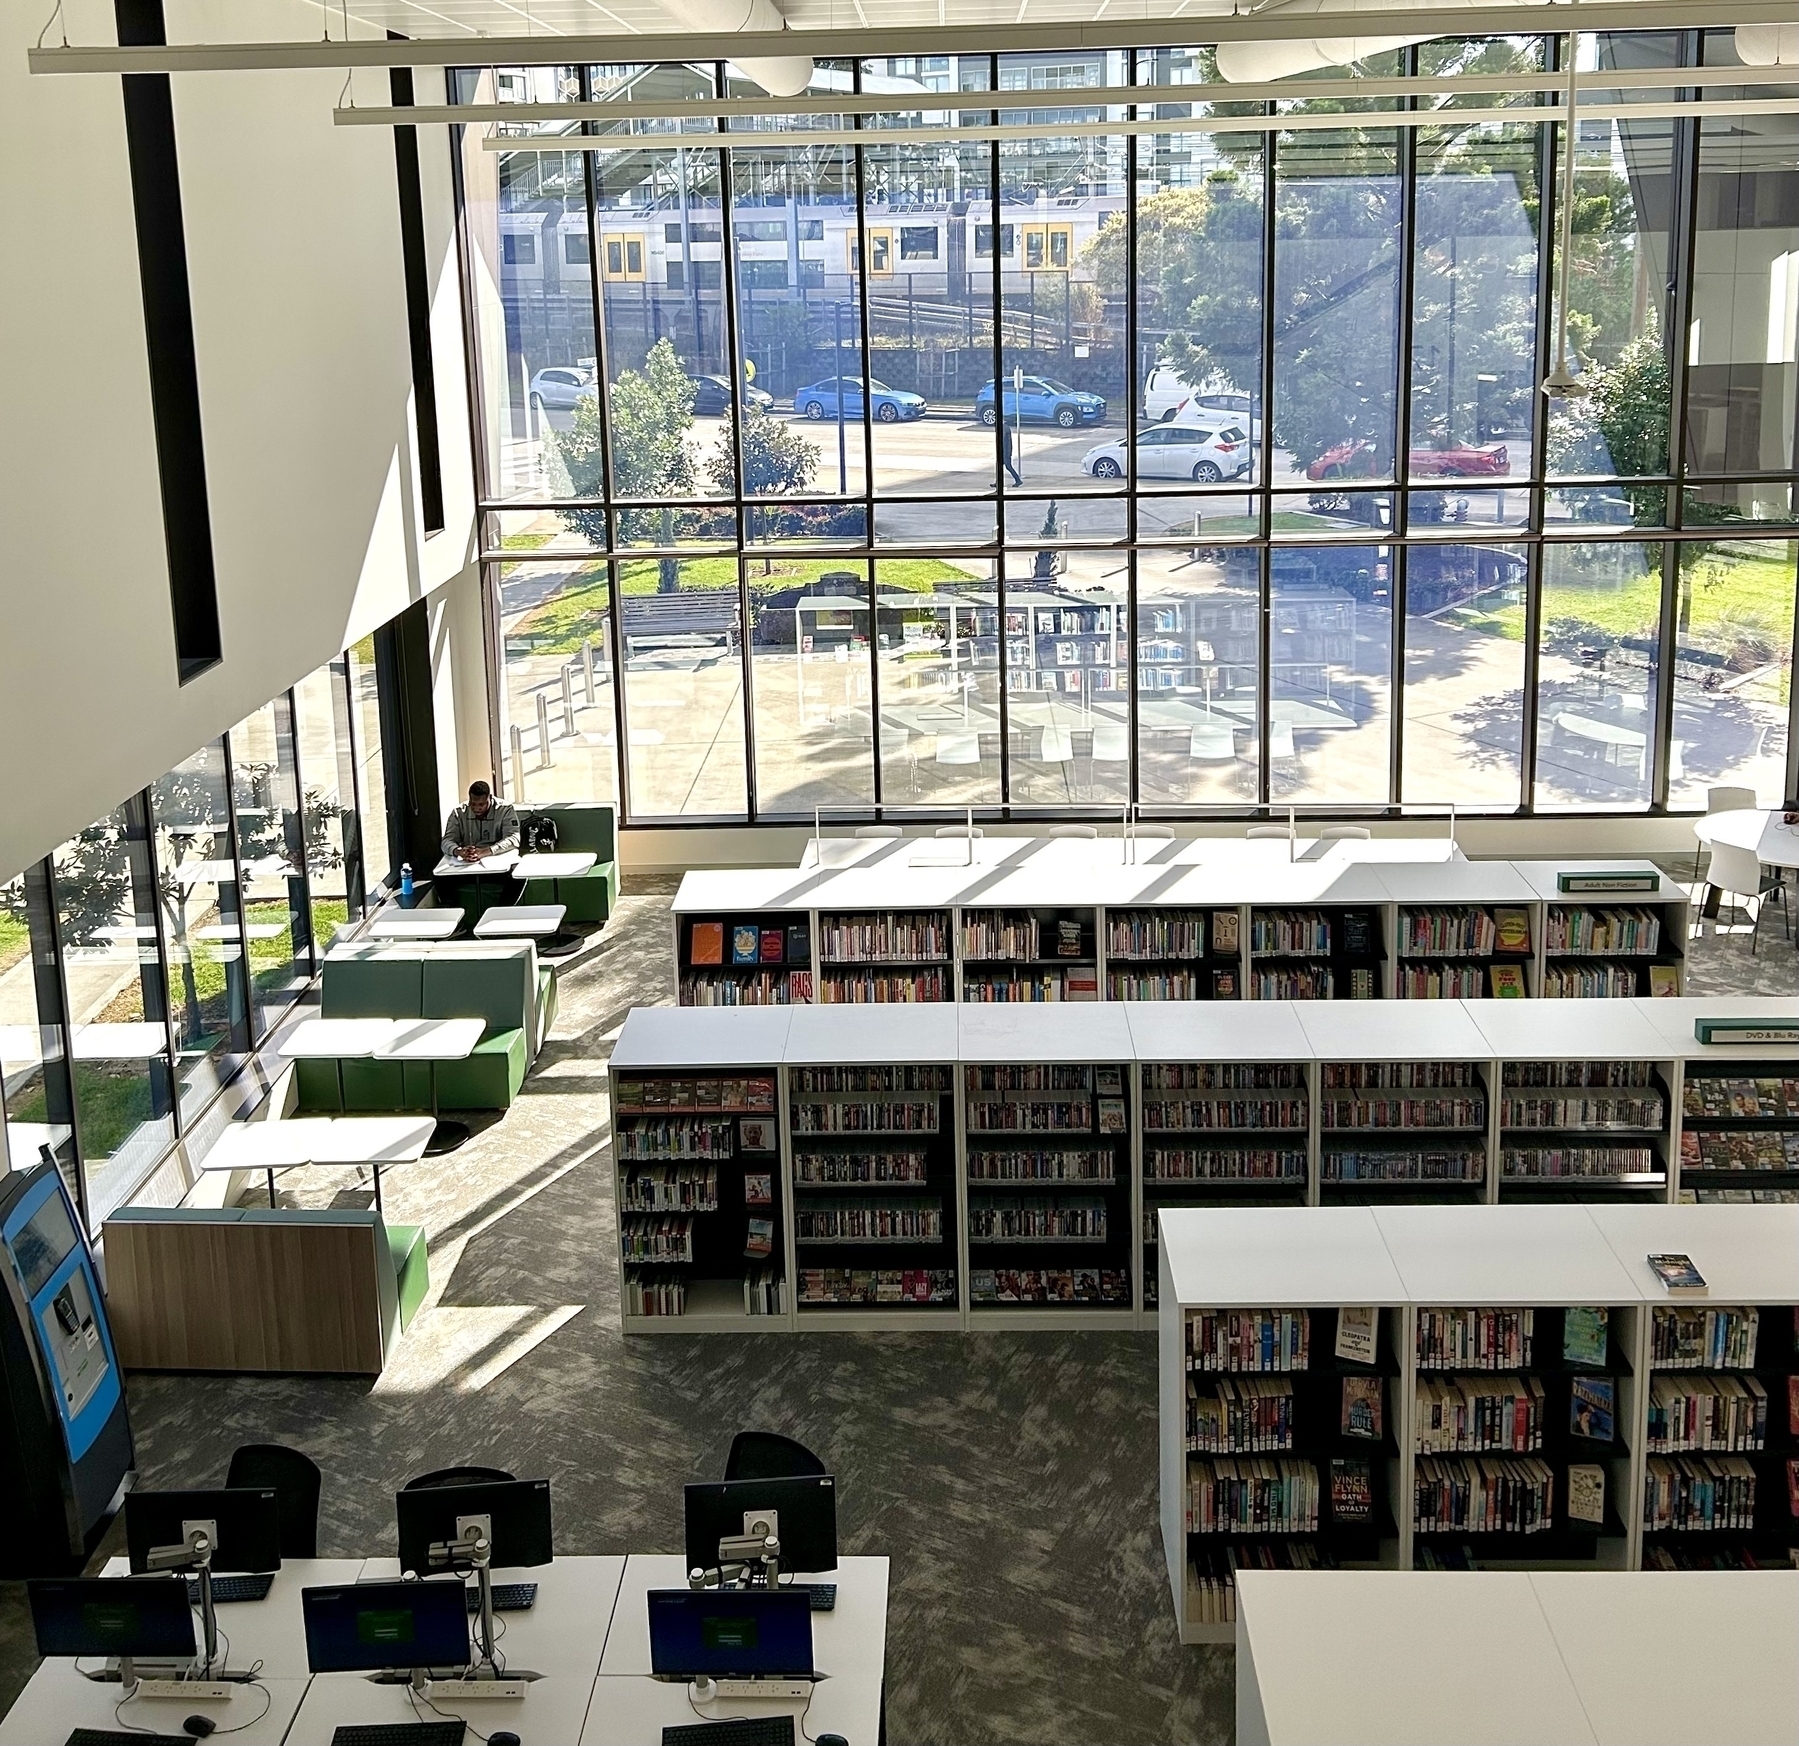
1174 954
1047 1146
1467 930
1028 952
697 1171
1608 945
885 956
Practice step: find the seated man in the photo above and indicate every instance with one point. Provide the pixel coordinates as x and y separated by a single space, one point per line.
484 827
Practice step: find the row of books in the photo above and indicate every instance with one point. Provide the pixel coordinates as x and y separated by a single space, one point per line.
1623 932
1463 933
1740 1098
1039 1116
1741 1196
1296 982
749 943
1475 1339
724 1096
1706 1413
1211 1579
1036 1221
1223 1076
1063 1165
1397 1075
1404 1112
841 1169
1078 982
877 1286
1251 1415
885 938
1051 1285
1595 981
1751 1149
1258 1163
654 1141
998 933
1577 1075
671 1190
659 1294
876 1079
766 988
881 1116
1536 1162
1252 1497
1249 1340
1220 982
1582 1112
1413 1164
1306 933
1689 1337
1698 1494
1458 982
1041 1076
885 988
1173 933
906 1221
1174 1115
1476 1415
1488 1495
657 1240
764 1292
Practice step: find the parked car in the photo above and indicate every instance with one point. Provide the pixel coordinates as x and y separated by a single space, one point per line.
1215 405
1352 460
891 405
1164 392
1176 451
1043 401
561 387
712 396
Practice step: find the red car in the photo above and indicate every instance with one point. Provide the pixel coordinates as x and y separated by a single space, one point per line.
1453 463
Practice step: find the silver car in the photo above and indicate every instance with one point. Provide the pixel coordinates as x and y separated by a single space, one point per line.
562 387
1176 451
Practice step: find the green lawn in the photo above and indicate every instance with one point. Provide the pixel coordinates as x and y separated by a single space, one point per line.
113 1101
15 940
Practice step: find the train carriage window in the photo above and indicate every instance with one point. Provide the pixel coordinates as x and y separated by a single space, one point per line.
983 241
518 249
918 242
812 230
880 252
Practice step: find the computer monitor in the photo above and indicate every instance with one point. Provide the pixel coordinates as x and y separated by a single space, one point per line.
730 1633
137 1617
367 1627
515 1512
243 1524
806 1518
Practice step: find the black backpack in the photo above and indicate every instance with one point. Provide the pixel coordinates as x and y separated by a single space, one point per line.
537 835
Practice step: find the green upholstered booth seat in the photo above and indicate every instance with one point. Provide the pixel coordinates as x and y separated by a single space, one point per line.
498 988
581 828
362 981
315 1088
412 1269
546 1004
489 1078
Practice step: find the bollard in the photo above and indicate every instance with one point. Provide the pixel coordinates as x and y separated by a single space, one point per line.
518 764
544 759
568 700
587 670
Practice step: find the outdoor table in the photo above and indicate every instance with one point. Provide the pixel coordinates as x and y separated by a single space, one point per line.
431 1041
417 924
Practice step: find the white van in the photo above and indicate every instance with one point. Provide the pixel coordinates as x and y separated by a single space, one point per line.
1164 392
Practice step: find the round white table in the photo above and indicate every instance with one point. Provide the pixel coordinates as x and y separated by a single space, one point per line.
1767 835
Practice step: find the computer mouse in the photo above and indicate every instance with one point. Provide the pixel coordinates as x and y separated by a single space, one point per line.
505 1737
199 1726
829 1740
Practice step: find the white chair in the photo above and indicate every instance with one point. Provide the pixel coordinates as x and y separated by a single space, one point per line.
1727 799
1161 833
958 830
1111 743
1073 831
1358 833
879 833
1258 833
1737 873
1280 740
958 748
1212 744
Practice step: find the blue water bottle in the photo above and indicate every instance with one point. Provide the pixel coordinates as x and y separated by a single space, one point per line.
406 885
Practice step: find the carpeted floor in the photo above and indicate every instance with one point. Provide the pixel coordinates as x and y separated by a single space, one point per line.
1010 1477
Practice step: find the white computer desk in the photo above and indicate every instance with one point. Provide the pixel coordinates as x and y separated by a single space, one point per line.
58 1700
849 1645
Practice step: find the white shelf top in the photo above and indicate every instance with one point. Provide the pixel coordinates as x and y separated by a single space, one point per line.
903 1031
1748 1254
1229 1256
1734 1670
1455 882
1504 1255
1414 1658
702 1037
1541 876
725 891
1216 1030
1674 1020
1051 1031
1048 884
1398 1030
1586 1030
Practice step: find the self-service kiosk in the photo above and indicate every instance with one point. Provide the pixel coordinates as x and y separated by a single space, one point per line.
65 1442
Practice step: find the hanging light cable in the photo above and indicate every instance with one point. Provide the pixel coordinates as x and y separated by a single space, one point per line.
1561 383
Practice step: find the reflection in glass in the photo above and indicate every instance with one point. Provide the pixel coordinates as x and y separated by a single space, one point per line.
1329 672
1464 674
328 769
1733 670
371 767
1598 667
272 848
35 1084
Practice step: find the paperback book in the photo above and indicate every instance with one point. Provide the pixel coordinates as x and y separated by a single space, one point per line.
1356 1328
1512 930
1224 932
1507 981
1352 1490
708 945
746 945
1586 1492
1593 1408
760 1240
1362 1407
1584 1331
1679 1277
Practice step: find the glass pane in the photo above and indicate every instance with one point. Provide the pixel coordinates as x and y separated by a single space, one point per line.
814 699
1597 671
559 718
683 686
371 766
1329 672
328 770
34 1066
1464 674
106 919
1733 669
1198 655
939 678
197 880
271 847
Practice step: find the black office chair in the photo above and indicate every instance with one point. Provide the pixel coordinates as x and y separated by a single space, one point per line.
296 1481
769 1455
459 1476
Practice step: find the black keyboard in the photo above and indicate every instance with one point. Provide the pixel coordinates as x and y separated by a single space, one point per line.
118 1737
508 1597
823 1594
226 1589
736 1731
448 1732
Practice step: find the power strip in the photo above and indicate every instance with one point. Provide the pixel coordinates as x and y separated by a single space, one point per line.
762 1688
185 1688
461 1690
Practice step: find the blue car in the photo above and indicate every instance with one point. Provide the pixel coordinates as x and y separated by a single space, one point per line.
1044 401
891 405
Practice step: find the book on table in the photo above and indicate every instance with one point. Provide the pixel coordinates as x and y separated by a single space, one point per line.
1679 1277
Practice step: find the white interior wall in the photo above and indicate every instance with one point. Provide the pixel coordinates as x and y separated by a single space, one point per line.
306 384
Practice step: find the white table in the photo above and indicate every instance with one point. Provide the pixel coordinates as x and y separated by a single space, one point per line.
417 924
563 865
1612 735
58 1700
126 1042
849 1644
431 1041
323 1039
488 867
522 921
1766 835
552 1713
321 1140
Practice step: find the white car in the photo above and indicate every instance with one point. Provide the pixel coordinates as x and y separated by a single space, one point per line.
1177 451
1214 406
561 387
1164 392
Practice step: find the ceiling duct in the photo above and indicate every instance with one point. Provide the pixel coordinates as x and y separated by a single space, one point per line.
779 76
1252 62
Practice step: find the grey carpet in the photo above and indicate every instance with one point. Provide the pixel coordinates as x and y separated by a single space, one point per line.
1010 1477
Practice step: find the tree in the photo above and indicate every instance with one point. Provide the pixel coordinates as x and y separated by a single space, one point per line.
778 460
1620 426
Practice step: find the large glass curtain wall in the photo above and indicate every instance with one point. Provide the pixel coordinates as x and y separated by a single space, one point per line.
1205 469
142 960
